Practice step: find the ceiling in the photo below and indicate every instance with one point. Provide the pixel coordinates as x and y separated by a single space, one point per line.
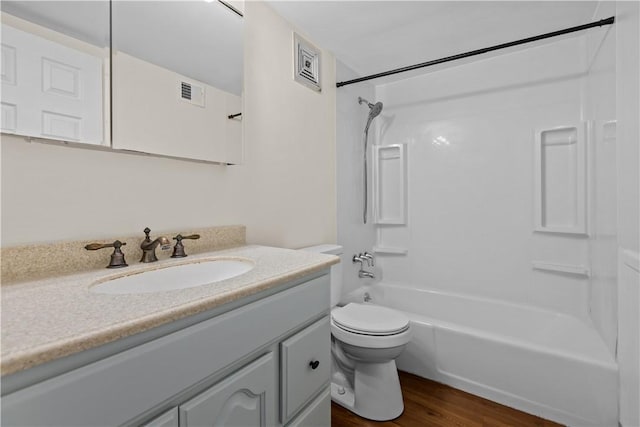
375 36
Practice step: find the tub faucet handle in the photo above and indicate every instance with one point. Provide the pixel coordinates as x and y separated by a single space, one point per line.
369 258
117 257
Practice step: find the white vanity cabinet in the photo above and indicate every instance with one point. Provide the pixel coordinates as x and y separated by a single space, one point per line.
249 366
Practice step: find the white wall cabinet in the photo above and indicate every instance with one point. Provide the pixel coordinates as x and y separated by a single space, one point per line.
221 371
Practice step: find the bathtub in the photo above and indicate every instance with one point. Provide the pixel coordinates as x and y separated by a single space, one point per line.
542 362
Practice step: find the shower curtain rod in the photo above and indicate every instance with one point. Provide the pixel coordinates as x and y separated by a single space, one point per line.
607 21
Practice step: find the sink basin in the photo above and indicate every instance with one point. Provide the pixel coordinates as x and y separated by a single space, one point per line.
174 277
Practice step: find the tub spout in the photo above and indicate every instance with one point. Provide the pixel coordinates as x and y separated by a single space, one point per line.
366 275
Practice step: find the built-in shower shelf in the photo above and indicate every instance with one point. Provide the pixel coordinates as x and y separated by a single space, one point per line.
389 250
579 270
560 176
390 184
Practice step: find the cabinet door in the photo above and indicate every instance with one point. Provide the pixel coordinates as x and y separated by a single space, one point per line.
305 366
317 414
244 399
168 419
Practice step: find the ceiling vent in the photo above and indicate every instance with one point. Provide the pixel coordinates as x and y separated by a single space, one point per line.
191 93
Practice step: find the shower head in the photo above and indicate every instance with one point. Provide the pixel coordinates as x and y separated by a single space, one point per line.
374 111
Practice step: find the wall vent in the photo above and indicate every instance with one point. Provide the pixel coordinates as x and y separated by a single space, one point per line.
191 93
186 91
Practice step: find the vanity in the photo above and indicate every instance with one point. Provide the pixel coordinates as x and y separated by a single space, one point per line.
252 350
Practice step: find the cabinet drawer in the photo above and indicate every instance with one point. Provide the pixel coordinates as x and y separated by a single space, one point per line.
305 366
317 414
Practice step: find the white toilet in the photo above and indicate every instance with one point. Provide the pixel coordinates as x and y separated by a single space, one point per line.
366 340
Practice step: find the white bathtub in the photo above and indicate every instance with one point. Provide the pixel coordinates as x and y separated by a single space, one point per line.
541 362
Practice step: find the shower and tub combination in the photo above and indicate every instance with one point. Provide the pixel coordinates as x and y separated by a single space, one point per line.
498 306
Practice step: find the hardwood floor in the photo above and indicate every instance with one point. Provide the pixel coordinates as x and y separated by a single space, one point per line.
428 403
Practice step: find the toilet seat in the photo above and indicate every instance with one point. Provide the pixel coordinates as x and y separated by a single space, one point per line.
368 325
369 319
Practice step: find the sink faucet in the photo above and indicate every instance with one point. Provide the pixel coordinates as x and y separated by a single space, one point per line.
149 247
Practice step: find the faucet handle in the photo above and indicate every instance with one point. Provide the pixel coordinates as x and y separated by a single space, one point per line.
117 257
190 236
178 249
370 259
146 231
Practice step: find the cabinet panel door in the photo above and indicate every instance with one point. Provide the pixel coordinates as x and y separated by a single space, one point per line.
317 414
244 399
168 419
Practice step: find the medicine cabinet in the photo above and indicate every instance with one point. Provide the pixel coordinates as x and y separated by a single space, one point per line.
158 77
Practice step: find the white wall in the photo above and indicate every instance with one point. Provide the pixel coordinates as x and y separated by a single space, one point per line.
469 133
628 158
599 107
284 193
351 117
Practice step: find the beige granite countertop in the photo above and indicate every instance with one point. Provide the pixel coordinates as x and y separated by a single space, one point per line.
51 318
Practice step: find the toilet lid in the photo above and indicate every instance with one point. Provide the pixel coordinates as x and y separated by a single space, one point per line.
368 319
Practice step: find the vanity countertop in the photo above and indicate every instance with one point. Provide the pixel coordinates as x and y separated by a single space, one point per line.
52 318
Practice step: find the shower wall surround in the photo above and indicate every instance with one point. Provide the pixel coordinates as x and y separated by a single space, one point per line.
469 131
284 192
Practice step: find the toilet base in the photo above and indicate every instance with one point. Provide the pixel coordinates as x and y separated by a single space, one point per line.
377 395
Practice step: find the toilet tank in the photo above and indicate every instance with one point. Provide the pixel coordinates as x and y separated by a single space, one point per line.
336 269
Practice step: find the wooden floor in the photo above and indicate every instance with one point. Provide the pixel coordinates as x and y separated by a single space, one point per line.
428 403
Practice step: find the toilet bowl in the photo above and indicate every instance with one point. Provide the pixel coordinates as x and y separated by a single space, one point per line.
366 340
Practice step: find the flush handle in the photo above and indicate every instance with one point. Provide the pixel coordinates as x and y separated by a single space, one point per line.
314 364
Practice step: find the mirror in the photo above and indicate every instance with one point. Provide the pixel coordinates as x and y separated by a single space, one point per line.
177 72
54 60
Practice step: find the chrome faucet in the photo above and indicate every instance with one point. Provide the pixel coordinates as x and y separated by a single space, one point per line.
363 274
369 258
149 247
362 258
